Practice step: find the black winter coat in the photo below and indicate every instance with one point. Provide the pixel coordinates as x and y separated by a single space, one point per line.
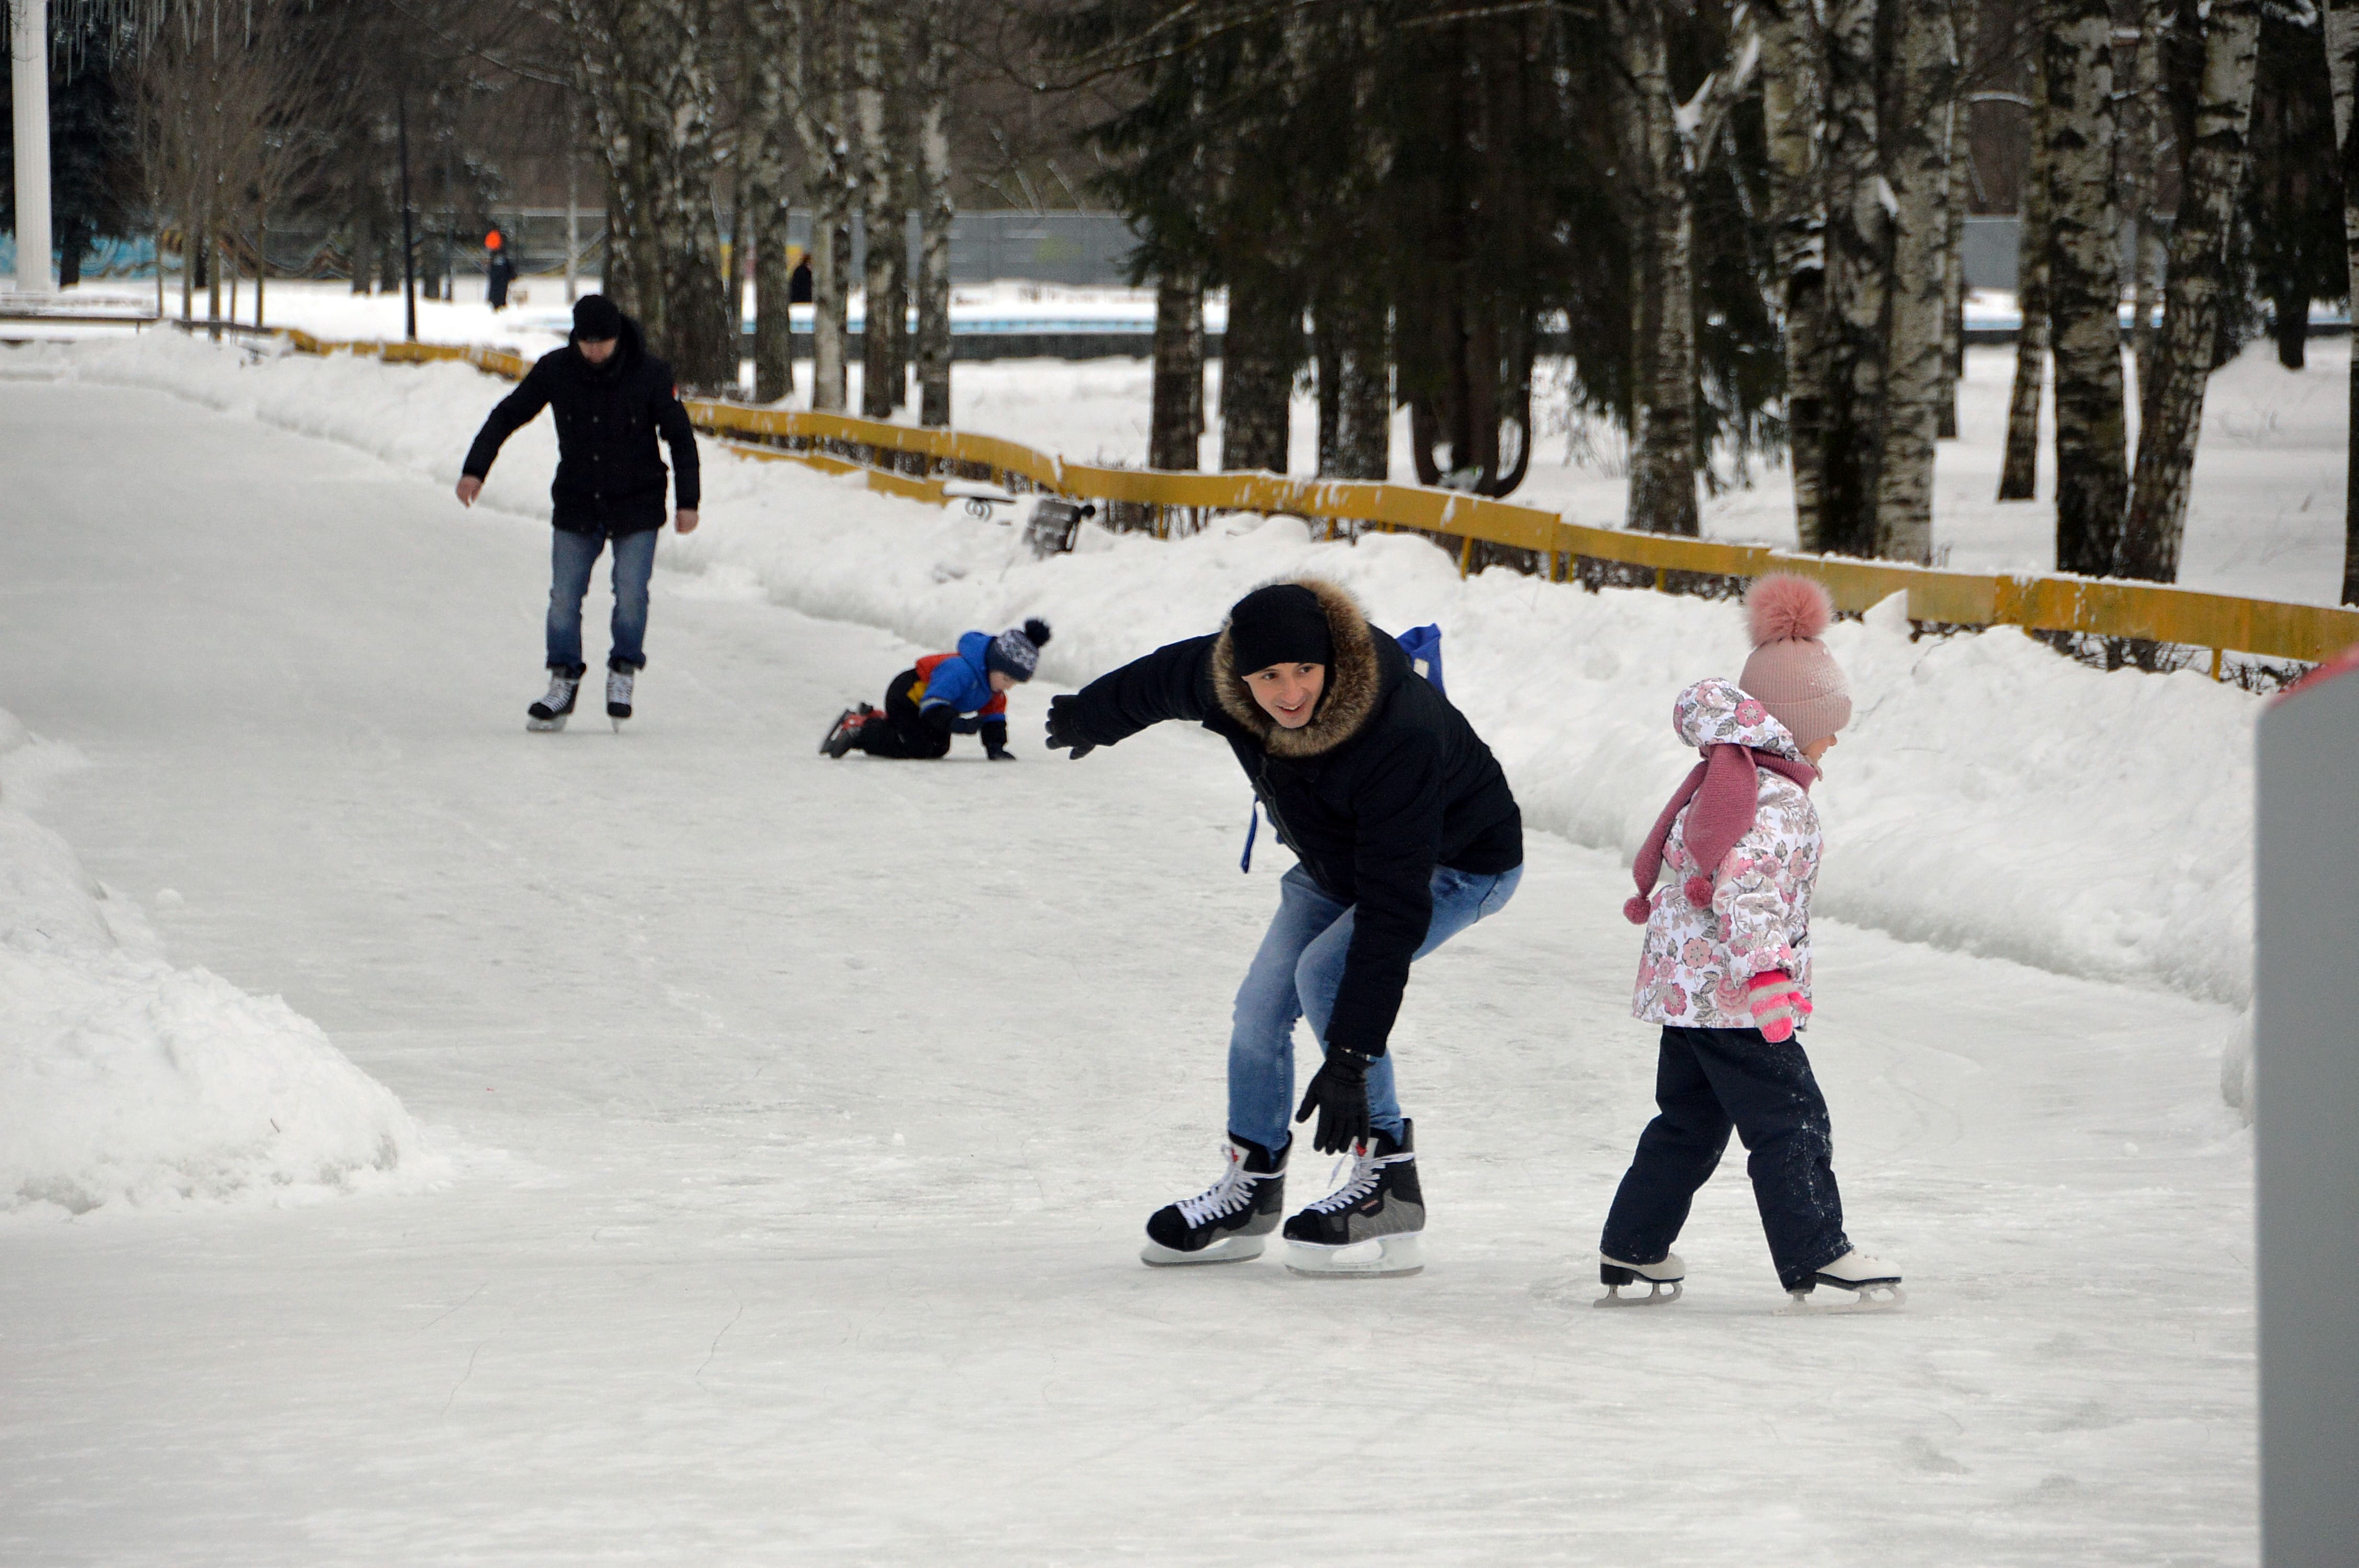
610 479
1385 782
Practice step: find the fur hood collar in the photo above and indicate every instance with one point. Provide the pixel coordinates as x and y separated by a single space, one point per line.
1354 682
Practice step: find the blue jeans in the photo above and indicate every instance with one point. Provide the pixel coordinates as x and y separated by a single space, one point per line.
1297 974
572 558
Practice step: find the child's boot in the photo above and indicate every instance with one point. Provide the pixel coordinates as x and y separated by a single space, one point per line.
1874 1284
1614 1274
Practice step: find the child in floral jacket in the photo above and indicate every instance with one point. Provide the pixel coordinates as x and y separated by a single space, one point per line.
1725 969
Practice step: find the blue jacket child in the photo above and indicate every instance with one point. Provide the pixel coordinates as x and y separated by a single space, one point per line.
963 692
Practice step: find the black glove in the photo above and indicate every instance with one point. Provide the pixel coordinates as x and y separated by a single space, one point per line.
1339 1092
1064 727
995 742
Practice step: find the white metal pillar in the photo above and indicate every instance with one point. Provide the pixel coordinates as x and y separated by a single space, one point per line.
28 59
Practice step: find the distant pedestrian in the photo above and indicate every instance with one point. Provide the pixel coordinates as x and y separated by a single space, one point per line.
612 400
798 282
1725 969
498 272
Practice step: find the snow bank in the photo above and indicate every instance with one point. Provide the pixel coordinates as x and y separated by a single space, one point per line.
1989 795
126 1083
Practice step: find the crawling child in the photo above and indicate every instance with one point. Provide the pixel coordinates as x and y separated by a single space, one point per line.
960 692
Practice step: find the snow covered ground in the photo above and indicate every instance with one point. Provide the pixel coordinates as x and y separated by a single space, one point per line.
808 1110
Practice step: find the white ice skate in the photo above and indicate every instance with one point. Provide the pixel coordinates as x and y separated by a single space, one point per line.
1614 1274
618 694
552 712
1874 1286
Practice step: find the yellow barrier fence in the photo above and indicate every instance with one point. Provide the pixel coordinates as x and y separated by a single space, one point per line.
903 460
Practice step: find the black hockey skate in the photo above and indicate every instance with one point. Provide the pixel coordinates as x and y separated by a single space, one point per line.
1373 1226
619 680
1229 1221
846 732
552 710
1614 1274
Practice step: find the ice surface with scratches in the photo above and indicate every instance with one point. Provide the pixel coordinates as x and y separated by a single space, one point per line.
836 1093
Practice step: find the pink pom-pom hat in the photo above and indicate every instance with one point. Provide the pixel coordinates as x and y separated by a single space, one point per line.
1790 671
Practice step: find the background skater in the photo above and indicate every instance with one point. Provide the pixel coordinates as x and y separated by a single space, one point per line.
1405 834
962 692
611 400
1727 969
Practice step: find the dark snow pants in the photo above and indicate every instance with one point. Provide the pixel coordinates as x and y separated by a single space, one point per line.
904 732
1707 1080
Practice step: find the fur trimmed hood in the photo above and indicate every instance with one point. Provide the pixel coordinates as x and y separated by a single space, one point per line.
1355 682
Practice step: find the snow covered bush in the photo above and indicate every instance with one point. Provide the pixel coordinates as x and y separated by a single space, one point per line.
127 1082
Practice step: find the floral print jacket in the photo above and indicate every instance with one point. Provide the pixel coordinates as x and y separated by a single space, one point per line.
1698 963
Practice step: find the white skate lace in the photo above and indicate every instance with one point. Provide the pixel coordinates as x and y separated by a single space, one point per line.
1366 1170
560 691
1233 1192
618 684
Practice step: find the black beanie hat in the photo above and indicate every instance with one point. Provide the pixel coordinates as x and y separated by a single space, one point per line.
596 319
1281 624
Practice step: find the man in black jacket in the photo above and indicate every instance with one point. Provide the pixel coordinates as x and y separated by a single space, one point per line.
611 399
1405 834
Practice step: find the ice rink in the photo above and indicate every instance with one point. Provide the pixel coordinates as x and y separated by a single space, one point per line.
800 1119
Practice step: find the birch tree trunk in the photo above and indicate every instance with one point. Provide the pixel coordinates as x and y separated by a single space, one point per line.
2019 474
1917 114
815 87
887 244
1258 354
1859 263
1663 429
2143 139
1953 282
2173 408
2084 284
939 210
2342 69
774 344
1791 106
1176 419
765 142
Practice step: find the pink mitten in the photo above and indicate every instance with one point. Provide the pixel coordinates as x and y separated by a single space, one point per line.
1775 1003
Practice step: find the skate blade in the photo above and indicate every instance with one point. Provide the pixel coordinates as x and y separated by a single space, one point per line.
1228 1249
545 726
1655 1295
1885 1297
1381 1258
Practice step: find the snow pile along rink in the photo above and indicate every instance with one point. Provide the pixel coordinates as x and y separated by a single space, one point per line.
127 1082
1989 795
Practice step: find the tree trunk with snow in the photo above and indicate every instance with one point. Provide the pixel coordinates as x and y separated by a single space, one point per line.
1176 415
2142 146
1916 112
2173 409
1258 355
1954 284
2084 283
1790 108
1355 380
2342 69
816 98
938 208
876 39
765 143
773 356
1860 206
2019 473
1663 416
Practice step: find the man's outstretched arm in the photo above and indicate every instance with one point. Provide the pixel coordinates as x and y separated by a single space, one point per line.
508 416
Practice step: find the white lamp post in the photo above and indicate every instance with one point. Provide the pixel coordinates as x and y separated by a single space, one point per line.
28 61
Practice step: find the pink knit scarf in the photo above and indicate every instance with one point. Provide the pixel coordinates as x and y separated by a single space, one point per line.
1726 789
